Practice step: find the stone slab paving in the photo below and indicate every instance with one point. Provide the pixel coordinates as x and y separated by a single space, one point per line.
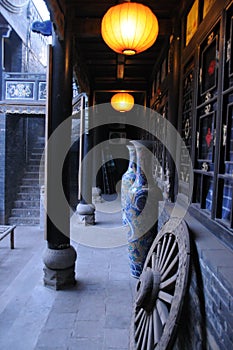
95 314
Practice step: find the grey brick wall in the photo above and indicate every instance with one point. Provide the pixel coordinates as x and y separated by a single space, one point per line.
15 158
13 53
207 315
22 36
2 167
15 149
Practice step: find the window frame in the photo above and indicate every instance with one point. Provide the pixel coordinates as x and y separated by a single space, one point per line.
195 51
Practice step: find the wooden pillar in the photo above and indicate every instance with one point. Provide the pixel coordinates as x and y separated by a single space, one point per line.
5 31
173 99
60 256
85 209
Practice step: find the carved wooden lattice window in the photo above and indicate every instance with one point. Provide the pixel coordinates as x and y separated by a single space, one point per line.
213 168
187 98
206 114
161 172
225 175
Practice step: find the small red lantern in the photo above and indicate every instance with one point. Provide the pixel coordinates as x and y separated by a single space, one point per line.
122 102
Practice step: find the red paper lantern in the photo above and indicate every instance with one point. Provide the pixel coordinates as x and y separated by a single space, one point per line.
122 102
129 28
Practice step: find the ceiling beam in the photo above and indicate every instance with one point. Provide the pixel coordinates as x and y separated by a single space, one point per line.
90 27
110 85
57 17
120 66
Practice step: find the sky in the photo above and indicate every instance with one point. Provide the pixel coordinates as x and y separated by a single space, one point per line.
42 9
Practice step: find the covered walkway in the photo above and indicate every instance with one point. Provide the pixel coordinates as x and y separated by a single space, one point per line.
95 314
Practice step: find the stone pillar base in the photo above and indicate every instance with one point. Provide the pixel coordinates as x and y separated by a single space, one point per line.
86 214
86 219
59 279
96 195
59 269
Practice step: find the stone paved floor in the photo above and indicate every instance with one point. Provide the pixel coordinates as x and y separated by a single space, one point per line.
93 315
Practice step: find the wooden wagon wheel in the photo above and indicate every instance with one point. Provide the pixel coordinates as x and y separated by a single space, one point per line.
161 288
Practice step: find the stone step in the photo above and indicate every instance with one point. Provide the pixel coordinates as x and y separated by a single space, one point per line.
24 196
23 221
29 189
40 139
38 160
34 161
20 212
39 148
27 204
35 168
36 153
26 209
31 175
30 182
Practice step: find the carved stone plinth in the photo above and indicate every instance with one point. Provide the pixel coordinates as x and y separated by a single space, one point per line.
59 279
86 214
96 195
59 270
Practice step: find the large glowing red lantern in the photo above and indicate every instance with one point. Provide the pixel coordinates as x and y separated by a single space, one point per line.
129 28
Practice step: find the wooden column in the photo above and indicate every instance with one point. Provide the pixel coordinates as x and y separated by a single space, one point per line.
173 103
60 256
5 31
85 209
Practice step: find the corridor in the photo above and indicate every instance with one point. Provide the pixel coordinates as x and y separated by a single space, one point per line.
93 315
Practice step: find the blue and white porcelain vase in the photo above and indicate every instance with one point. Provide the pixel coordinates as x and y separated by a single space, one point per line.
142 209
127 180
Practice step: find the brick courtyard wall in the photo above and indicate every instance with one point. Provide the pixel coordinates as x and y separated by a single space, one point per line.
15 158
30 62
22 134
2 168
207 315
26 51
36 128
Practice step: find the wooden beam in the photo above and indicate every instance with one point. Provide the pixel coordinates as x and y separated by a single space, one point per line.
87 27
91 27
110 85
81 71
120 66
57 17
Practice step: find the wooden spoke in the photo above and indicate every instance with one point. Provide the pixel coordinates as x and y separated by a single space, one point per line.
145 335
162 310
141 333
150 343
165 296
162 249
153 260
170 267
165 252
140 325
158 253
139 315
170 254
162 287
158 327
168 282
